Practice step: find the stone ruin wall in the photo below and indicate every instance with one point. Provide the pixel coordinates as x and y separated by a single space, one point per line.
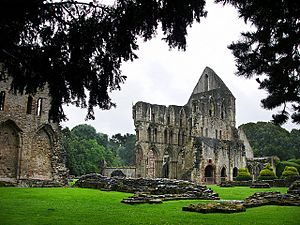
166 136
30 148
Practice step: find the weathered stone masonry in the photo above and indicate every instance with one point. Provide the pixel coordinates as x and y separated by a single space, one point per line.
197 141
30 148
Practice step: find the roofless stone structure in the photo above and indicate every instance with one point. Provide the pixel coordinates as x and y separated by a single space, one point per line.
197 141
30 148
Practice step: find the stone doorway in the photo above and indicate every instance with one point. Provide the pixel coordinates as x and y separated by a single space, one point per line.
41 155
235 172
9 145
209 175
166 166
223 174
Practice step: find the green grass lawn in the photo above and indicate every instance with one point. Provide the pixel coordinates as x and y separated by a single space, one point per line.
88 206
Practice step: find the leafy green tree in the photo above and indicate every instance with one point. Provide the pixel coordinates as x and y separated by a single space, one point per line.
84 152
267 139
127 151
84 131
270 51
102 139
124 146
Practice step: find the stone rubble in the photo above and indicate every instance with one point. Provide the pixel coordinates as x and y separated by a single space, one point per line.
294 188
260 185
148 190
217 207
271 198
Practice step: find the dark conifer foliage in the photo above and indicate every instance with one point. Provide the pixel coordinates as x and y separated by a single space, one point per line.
271 51
77 47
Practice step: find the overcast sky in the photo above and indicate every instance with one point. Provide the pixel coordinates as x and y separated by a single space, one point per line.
167 77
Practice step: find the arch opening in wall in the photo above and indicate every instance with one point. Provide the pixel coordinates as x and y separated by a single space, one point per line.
206 83
223 174
2 100
29 105
223 111
178 138
209 174
171 137
166 166
39 107
166 136
41 154
149 134
155 135
211 110
149 113
9 150
235 172
182 118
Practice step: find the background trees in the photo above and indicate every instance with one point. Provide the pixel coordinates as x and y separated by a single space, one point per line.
267 139
88 151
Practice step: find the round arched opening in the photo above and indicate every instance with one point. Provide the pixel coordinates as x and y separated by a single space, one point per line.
165 167
209 174
223 174
235 172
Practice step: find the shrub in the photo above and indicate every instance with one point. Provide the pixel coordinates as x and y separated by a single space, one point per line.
297 161
243 175
292 162
290 171
267 173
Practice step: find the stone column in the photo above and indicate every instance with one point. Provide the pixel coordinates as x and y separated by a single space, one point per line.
158 168
173 169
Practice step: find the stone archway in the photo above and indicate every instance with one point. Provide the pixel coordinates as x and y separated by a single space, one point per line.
166 166
223 174
234 172
209 174
41 156
9 150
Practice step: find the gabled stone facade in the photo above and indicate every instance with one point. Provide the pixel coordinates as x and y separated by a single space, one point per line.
197 141
30 148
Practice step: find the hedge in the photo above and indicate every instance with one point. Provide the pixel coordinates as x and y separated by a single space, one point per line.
290 171
267 173
243 175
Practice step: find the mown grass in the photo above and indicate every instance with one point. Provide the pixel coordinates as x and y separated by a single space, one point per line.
88 206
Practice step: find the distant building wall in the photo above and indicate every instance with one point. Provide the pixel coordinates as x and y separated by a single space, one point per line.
128 172
197 141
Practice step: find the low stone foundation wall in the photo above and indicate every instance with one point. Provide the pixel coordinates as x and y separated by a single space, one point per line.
32 183
40 183
271 198
150 186
273 183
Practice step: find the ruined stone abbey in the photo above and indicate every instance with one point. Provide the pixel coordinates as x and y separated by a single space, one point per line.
30 150
197 141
